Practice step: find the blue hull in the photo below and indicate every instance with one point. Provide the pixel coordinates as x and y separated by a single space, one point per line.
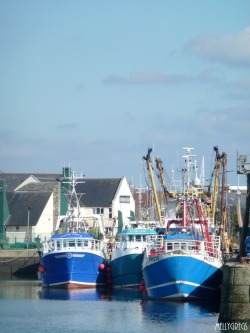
181 277
73 269
126 271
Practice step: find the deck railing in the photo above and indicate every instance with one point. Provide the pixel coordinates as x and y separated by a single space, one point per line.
129 245
184 246
60 245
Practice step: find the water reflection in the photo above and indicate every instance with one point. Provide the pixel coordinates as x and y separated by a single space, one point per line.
72 294
133 311
151 310
19 289
126 294
178 311
91 294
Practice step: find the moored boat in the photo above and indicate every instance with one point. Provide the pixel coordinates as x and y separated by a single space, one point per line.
73 258
127 255
185 264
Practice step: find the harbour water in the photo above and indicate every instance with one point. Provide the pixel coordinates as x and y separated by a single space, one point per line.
27 307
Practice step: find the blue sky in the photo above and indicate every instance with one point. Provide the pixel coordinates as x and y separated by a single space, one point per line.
94 83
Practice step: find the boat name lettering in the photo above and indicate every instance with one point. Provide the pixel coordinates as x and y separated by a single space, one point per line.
69 255
60 256
209 259
135 231
155 258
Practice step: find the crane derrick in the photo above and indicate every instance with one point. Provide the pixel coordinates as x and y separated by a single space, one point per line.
147 158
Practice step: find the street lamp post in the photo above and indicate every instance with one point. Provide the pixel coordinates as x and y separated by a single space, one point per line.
28 231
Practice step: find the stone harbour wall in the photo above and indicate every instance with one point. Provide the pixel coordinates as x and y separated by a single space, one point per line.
18 262
235 297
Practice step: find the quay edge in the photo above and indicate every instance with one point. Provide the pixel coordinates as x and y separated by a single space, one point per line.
23 263
235 296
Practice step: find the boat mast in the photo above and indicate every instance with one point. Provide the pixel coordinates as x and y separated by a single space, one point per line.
225 240
216 181
218 162
159 166
202 174
186 170
74 209
150 169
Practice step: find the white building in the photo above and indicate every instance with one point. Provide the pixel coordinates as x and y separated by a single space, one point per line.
36 203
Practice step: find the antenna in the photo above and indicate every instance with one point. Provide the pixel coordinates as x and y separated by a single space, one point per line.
188 149
202 173
186 170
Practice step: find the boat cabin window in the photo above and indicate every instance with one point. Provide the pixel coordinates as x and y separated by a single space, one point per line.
191 246
180 246
183 246
79 243
131 238
72 243
169 246
58 245
177 246
64 243
86 243
136 238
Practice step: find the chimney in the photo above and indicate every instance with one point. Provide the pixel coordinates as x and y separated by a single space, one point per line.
64 188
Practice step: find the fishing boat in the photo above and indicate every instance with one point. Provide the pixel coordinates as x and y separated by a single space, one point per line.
127 255
73 258
186 262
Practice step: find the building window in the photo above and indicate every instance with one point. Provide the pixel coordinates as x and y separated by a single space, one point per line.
110 213
124 199
98 210
17 227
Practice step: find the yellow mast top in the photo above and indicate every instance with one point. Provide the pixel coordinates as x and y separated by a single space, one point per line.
150 169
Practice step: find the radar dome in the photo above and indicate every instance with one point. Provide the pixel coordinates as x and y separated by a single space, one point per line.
196 181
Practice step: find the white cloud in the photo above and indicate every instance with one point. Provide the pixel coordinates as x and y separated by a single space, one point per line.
231 49
210 76
147 78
